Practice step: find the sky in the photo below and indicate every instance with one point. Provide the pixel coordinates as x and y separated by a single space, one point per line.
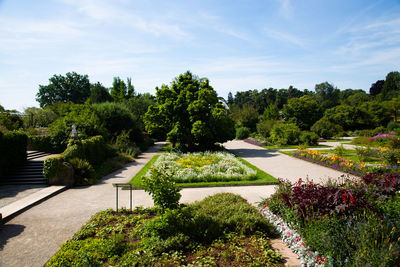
237 45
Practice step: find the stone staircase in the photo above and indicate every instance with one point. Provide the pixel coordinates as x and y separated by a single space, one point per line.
30 173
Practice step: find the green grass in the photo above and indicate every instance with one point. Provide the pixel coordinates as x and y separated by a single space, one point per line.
262 177
137 179
291 146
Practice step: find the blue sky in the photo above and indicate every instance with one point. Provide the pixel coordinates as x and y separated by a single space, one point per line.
238 45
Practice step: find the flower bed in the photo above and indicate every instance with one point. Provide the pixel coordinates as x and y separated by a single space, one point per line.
205 167
352 223
294 240
332 161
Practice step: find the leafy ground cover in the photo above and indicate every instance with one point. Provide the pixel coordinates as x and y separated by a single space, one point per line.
260 143
205 169
354 223
221 230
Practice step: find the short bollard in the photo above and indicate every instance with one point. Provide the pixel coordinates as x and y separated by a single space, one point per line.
117 185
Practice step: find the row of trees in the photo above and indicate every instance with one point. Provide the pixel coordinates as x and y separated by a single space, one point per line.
189 113
326 108
76 88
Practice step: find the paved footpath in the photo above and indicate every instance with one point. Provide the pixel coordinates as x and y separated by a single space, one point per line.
280 165
32 237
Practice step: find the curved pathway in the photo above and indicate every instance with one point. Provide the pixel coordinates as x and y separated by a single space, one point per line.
280 165
32 237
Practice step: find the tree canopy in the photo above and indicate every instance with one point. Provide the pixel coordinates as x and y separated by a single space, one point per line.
72 87
189 114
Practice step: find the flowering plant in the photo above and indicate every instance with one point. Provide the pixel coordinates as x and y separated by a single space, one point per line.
332 161
205 167
294 240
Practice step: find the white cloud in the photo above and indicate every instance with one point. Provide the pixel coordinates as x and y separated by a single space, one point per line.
285 37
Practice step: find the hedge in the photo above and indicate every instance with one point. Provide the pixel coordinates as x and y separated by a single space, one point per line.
94 150
13 150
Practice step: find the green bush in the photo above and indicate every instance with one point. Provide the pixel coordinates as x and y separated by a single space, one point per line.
13 150
285 134
326 129
264 127
44 143
365 154
242 133
309 138
391 156
11 122
83 171
52 166
162 188
392 126
94 150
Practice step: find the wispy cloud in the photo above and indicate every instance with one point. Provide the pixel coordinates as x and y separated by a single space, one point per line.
285 9
116 12
285 37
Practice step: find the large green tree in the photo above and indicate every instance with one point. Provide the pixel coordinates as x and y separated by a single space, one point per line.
99 94
391 87
189 114
303 111
121 90
72 87
327 95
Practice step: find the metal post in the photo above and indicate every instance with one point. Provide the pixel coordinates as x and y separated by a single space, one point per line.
130 187
116 188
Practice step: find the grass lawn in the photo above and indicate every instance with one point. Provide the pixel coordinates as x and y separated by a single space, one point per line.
262 177
291 146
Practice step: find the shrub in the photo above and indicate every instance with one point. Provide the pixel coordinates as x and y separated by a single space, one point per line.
52 166
162 188
264 127
309 138
326 129
44 143
393 125
83 171
366 153
285 134
11 122
394 143
94 150
391 156
13 150
242 133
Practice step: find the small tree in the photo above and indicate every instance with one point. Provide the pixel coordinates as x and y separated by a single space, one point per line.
162 188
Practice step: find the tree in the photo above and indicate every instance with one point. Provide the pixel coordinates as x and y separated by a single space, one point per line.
327 95
99 94
230 99
247 116
2 109
37 117
376 87
303 111
72 87
357 99
391 87
349 117
326 129
188 113
121 90
271 113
